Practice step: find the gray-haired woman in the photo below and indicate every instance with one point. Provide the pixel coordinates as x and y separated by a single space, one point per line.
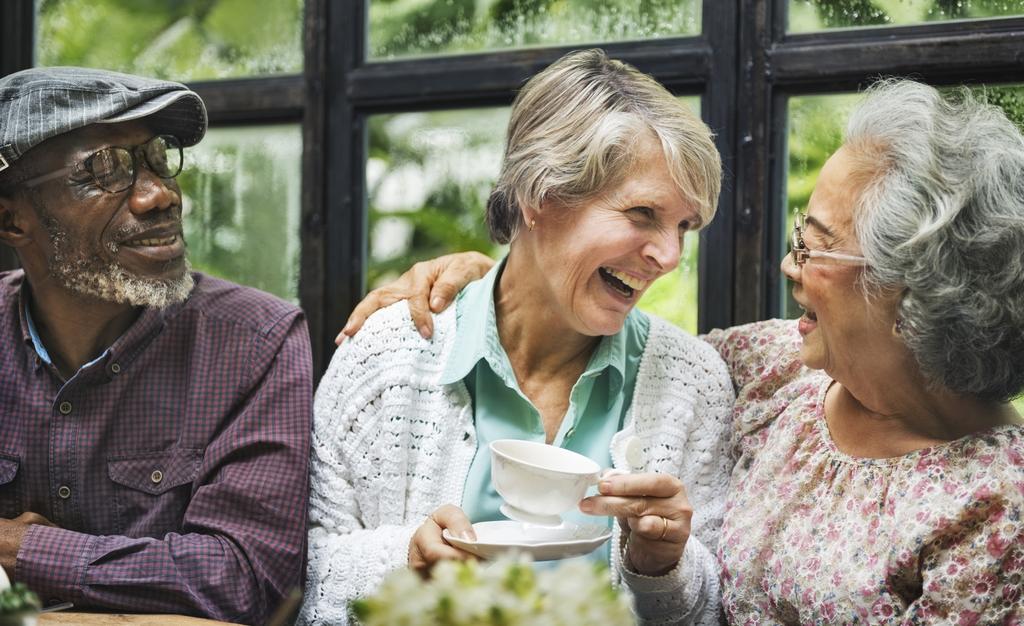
880 471
604 172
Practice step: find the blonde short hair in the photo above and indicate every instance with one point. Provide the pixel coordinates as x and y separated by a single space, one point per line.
573 133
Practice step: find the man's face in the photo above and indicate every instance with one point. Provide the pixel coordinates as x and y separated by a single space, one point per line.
124 247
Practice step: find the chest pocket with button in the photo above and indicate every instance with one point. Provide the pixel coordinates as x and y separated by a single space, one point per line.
10 494
153 490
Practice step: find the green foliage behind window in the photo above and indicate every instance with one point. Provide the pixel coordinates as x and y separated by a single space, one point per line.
413 27
811 15
175 39
242 205
428 178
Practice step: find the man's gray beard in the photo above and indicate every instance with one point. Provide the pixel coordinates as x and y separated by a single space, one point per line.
91 277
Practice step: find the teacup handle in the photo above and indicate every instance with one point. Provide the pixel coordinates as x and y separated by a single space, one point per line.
634 453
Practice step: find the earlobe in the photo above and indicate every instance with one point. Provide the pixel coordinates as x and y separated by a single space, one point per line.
531 216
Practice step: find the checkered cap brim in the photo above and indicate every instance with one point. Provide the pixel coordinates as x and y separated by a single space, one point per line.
40 103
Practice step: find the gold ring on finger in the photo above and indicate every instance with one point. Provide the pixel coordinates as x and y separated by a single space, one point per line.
664 528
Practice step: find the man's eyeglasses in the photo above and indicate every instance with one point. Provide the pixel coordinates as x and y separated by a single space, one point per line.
115 169
802 254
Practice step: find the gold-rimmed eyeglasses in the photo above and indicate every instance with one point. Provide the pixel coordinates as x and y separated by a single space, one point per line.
802 254
115 169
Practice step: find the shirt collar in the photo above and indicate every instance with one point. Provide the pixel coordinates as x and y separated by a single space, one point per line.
610 357
27 338
476 327
476 338
123 350
30 327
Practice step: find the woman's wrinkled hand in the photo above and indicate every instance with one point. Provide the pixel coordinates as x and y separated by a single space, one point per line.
428 546
429 286
654 514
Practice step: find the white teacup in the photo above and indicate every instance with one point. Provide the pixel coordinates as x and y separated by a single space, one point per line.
540 482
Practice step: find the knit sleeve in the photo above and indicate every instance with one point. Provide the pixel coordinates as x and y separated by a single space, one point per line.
689 387
368 448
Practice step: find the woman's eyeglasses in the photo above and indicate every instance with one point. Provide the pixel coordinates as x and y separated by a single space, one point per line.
115 169
802 254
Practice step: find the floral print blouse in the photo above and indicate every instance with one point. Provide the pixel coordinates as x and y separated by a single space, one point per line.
814 536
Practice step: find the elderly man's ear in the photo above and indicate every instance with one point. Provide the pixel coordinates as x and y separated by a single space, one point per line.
13 216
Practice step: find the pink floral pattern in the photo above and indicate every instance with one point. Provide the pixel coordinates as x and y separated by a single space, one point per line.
812 535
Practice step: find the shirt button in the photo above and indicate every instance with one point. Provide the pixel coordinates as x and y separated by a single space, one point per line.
156 476
65 408
64 492
115 368
570 433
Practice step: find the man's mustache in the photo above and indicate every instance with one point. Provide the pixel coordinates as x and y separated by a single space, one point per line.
165 226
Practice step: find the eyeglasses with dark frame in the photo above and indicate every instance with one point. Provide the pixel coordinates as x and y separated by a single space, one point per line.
116 168
802 254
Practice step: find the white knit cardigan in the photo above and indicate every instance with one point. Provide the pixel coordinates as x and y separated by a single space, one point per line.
390 445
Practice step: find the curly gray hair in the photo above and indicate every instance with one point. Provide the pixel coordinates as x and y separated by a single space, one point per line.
941 218
573 131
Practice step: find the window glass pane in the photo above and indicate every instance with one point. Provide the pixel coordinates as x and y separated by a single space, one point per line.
815 130
176 39
401 28
812 15
428 177
242 206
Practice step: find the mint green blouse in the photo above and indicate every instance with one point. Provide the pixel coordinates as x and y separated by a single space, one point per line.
597 403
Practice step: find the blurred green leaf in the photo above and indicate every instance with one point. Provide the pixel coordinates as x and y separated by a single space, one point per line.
18 599
176 39
414 27
811 15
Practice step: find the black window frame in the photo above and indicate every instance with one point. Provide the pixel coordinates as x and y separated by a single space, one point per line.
743 64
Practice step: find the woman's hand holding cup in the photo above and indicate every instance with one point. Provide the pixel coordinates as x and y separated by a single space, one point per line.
654 514
427 546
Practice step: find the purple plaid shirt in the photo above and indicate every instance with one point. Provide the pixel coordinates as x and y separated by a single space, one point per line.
175 465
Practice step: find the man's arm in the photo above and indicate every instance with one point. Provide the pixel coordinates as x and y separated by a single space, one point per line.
429 286
12 534
241 548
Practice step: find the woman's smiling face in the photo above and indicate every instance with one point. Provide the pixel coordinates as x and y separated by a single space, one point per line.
841 326
598 259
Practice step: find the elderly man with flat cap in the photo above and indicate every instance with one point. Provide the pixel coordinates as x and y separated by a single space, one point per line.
154 422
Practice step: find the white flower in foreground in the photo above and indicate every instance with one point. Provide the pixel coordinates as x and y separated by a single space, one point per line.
507 592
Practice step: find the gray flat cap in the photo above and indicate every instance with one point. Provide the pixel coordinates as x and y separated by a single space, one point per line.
44 102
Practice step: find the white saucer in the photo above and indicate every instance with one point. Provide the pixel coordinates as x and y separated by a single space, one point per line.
540 542
520 515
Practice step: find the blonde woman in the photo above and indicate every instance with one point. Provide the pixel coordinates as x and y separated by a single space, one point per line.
604 172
